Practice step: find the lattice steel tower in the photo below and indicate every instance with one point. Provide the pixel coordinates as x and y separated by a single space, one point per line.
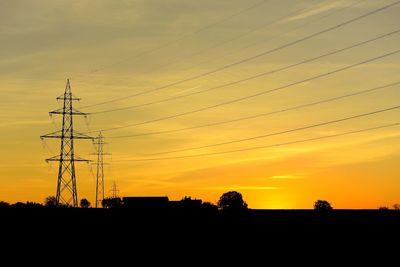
66 183
114 190
100 171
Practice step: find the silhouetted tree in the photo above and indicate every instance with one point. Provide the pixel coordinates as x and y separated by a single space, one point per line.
322 205
18 205
85 203
4 204
232 200
396 206
383 208
110 202
50 201
33 205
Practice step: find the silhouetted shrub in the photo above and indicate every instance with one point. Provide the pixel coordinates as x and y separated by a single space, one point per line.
33 205
110 202
50 201
4 204
322 205
18 205
85 203
396 206
232 201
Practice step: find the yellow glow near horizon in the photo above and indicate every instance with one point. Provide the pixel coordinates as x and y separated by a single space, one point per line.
101 46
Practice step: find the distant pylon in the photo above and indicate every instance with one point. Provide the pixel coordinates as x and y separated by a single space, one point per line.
114 190
66 183
100 171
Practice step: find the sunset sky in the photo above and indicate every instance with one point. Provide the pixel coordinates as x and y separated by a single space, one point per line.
111 50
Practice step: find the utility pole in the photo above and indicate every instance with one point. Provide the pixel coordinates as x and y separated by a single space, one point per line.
100 170
66 182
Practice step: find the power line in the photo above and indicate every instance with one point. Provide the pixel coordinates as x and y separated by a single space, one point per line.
267 25
263 147
278 133
231 16
253 76
254 95
248 58
182 37
296 12
262 114
298 27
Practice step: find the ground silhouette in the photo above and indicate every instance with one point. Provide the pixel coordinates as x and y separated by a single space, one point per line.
192 220
199 232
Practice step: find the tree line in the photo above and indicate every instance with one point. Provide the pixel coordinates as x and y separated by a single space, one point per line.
229 201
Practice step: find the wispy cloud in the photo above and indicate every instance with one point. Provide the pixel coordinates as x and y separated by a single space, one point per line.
314 12
227 188
286 177
186 90
18 123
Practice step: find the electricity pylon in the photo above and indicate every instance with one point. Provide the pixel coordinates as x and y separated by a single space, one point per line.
66 183
114 190
100 170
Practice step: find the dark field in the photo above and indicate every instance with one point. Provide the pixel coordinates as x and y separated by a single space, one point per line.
202 233
271 222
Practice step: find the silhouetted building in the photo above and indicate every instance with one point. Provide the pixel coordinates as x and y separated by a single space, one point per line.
186 203
145 202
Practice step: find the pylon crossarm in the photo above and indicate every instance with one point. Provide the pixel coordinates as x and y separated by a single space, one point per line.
62 97
73 112
80 160
55 158
52 135
58 134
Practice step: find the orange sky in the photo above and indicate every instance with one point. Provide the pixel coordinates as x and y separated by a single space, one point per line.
112 49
